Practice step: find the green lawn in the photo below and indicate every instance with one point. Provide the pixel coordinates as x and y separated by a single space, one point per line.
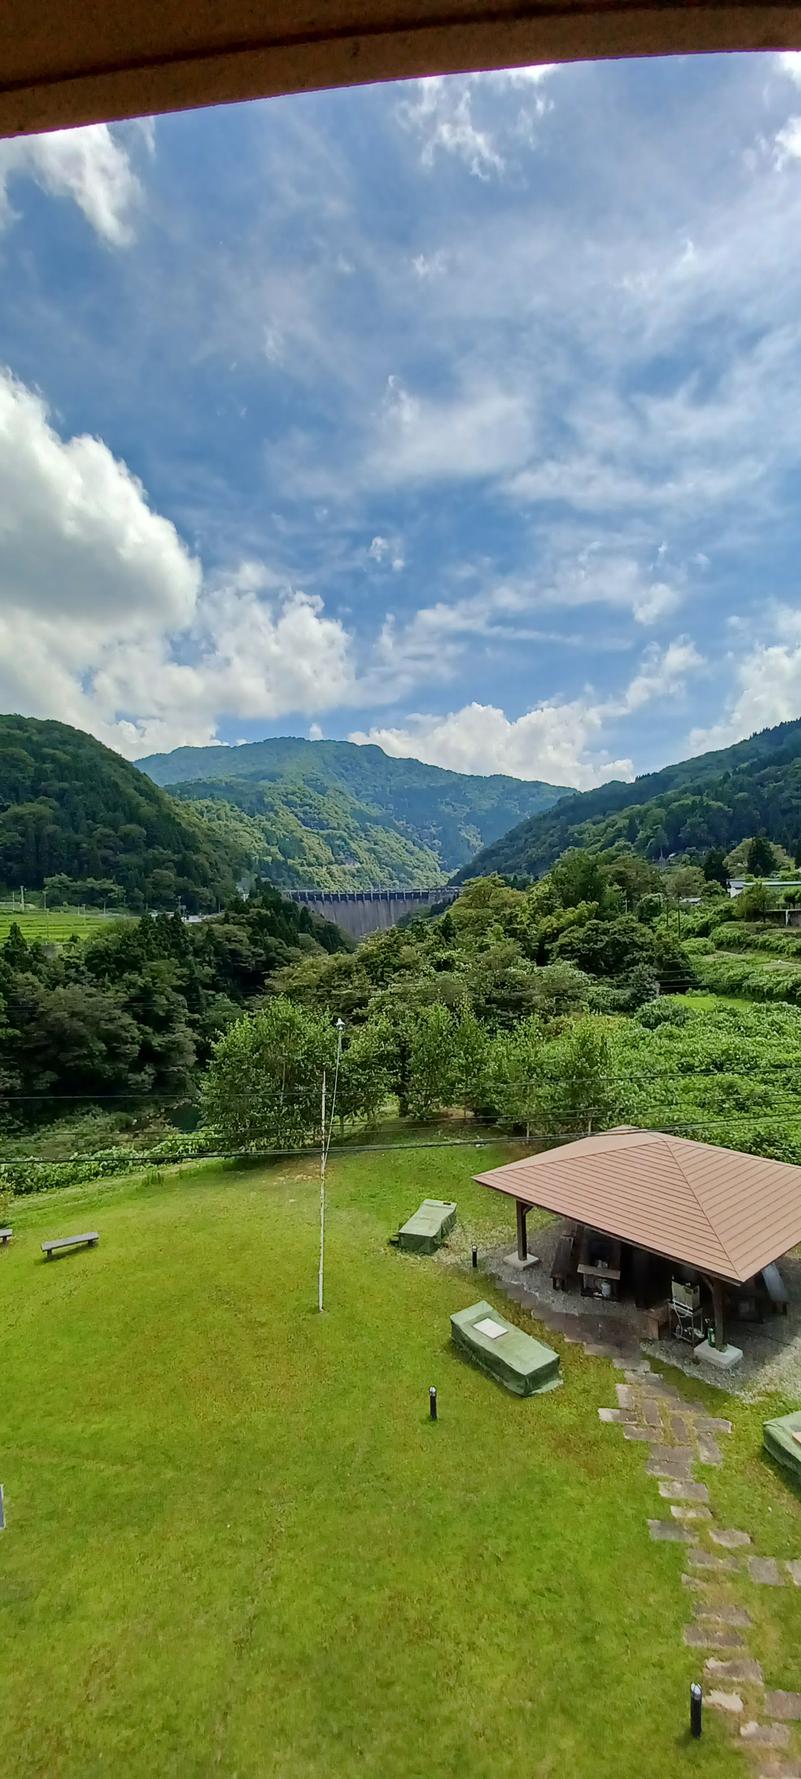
237 1547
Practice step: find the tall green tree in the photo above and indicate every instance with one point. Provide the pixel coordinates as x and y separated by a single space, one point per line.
471 1055
431 1071
761 858
582 1091
263 1085
714 867
517 1078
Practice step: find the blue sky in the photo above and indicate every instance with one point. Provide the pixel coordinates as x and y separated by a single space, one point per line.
459 415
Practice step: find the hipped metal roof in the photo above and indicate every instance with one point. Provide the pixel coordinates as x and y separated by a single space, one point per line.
714 1209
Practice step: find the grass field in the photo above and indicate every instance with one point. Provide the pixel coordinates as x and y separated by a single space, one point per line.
52 928
236 1546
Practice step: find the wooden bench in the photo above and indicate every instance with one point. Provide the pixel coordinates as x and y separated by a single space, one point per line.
5 1236
70 1241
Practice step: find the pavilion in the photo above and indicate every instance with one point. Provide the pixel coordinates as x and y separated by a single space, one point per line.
715 1214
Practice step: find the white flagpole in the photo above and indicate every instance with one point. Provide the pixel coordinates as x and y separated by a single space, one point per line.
323 1159
325 1144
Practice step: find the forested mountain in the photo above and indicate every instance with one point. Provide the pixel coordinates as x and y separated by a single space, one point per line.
332 815
714 800
72 809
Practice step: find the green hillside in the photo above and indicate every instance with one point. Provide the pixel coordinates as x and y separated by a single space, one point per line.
714 800
72 809
333 815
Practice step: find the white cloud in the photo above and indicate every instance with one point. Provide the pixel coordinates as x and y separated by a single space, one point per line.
105 619
767 687
662 673
557 741
481 431
787 144
550 742
442 115
383 551
76 530
789 62
90 165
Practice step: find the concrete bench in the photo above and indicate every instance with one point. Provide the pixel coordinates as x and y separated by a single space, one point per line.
5 1236
69 1241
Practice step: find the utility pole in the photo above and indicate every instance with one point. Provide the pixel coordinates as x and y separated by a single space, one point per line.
325 1144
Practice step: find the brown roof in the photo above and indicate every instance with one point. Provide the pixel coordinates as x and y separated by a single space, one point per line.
715 1209
66 64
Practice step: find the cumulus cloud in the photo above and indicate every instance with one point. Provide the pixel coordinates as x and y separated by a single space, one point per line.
789 62
106 619
559 741
767 687
92 166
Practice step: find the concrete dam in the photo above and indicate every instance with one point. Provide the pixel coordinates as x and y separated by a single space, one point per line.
360 912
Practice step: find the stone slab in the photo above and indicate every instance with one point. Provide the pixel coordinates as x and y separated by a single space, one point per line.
705 1559
626 1396
712 1637
722 1358
670 1461
615 1415
794 1571
729 1537
765 1571
709 1451
643 1433
737 1667
723 1615
721 1701
765 1735
678 1488
780 1769
784 1705
651 1412
668 1532
712 1424
690 1514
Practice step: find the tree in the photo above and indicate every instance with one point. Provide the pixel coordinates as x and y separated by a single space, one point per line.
431 1072
264 1081
754 903
365 1077
761 858
471 1054
607 947
517 1081
579 877
579 1069
714 867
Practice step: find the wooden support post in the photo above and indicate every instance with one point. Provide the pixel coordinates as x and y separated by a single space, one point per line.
717 1307
522 1244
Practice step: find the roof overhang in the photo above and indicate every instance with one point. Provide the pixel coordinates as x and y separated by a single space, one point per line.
723 1212
63 64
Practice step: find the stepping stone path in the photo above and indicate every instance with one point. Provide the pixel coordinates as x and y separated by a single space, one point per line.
681 1437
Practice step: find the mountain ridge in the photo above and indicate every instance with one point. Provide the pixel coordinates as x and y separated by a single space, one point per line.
338 815
708 800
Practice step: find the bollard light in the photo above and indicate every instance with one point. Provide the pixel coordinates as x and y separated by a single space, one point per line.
475 1257
696 1708
432 1402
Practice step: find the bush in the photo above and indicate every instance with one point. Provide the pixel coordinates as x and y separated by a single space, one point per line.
29 1175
